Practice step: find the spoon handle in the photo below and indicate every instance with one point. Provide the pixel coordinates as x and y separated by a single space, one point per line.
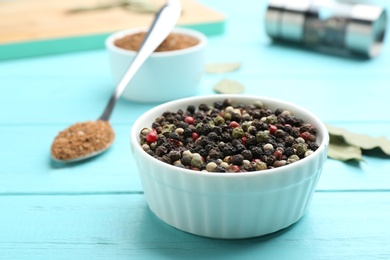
163 23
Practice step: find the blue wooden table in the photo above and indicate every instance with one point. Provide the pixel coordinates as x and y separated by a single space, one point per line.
97 210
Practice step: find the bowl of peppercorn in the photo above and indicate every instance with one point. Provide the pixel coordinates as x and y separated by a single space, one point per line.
229 166
171 72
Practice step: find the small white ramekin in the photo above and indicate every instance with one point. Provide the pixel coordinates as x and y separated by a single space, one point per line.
164 76
229 205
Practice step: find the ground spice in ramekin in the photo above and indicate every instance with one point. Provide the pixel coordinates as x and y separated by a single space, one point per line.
174 41
82 139
229 137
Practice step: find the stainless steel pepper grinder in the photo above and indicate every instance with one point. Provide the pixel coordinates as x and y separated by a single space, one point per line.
328 25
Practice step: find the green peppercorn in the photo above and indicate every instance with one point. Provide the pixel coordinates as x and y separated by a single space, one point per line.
199 127
262 137
227 116
211 124
238 133
259 165
245 125
219 120
153 145
168 129
271 119
292 158
301 149
196 161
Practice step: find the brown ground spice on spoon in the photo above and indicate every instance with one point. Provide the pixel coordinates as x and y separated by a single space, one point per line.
82 139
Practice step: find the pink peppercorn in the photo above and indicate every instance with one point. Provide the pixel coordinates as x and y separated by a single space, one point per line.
195 136
189 120
272 129
243 140
234 124
278 155
151 137
305 135
234 168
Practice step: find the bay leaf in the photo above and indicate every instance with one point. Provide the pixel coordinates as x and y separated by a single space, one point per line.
142 6
222 67
363 141
227 86
344 152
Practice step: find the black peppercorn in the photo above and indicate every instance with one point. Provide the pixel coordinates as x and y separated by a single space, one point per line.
174 155
237 159
257 152
270 160
165 159
247 155
204 107
289 151
313 146
186 160
174 135
161 150
220 169
228 149
215 154
240 147
191 109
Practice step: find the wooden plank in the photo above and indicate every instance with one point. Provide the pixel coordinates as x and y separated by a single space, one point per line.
30 169
337 226
26 167
41 27
42 19
67 96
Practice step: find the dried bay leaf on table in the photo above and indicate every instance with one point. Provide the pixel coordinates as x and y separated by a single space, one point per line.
142 6
227 86
342 151
222 67
363 141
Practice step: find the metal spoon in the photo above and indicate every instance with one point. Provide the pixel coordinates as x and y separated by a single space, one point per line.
163 23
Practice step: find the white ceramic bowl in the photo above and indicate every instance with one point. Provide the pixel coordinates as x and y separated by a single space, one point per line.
165 75
229 205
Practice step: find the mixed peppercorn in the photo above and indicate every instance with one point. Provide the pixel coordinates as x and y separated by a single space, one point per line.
229 137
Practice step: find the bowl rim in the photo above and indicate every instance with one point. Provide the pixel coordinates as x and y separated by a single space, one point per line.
109 42
321 151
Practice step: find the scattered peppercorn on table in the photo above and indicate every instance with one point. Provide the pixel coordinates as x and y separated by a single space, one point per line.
96 209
